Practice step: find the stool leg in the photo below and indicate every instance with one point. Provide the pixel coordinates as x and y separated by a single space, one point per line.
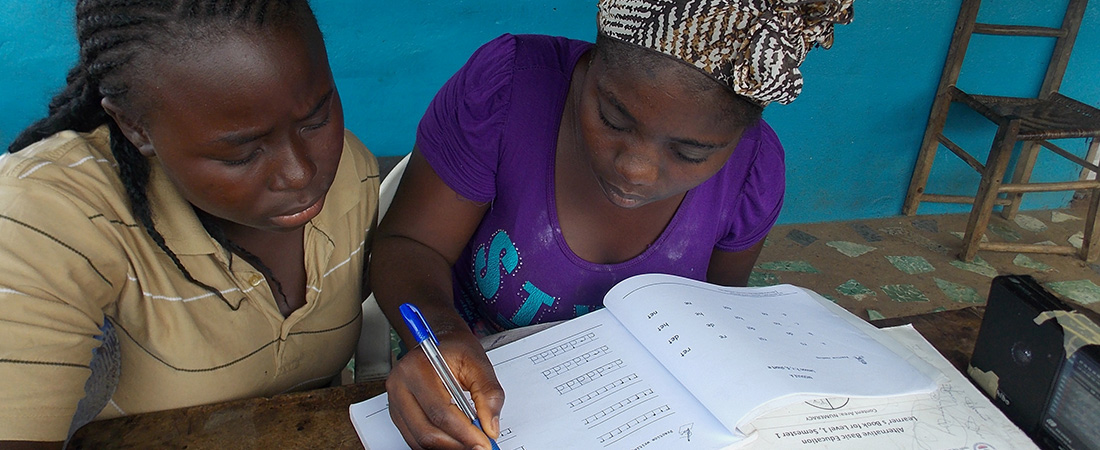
1094 148
1090 251
1022 174
995 166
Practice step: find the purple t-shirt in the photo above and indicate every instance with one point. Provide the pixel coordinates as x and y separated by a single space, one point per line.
491 133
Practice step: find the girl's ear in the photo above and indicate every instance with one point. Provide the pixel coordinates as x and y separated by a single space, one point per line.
133 131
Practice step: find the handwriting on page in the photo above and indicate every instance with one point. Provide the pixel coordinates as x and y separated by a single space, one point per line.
599 387
666 365
586 383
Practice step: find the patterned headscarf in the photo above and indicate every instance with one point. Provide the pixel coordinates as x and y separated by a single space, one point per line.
752 46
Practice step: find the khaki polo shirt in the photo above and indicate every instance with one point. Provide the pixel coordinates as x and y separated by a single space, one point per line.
74 262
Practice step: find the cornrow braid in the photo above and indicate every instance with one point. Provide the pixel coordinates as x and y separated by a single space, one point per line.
112 35
134 169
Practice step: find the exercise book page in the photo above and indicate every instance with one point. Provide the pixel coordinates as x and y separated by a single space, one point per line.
586 383
741 351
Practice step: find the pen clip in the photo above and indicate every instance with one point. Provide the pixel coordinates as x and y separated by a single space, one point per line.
414 320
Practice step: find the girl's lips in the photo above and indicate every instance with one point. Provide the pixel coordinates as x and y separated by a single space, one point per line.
300 218
620 198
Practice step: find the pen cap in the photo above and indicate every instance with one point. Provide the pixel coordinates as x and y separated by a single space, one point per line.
416 323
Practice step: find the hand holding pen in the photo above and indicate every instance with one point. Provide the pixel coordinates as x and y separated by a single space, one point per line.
426 417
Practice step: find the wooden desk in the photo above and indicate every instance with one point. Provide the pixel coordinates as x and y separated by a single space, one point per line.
953 333
319 419
313 419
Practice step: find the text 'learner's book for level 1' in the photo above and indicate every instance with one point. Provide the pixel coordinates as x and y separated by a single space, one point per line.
672 362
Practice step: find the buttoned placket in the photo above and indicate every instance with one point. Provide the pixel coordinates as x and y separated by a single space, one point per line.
318 251
254 292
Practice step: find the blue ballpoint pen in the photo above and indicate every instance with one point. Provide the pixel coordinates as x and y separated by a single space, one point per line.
424 335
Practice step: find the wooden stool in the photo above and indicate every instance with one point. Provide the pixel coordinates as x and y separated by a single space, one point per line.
1032 121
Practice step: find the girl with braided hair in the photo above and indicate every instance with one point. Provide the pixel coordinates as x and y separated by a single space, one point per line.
188 224
547 169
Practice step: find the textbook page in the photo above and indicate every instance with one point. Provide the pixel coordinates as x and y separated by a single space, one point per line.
955 416
586 383
742 351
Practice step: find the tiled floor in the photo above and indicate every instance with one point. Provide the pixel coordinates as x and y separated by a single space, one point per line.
907 265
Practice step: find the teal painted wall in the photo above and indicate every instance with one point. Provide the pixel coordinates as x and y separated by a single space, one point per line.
851 137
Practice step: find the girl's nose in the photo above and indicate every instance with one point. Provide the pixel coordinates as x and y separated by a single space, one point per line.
297 168
638 164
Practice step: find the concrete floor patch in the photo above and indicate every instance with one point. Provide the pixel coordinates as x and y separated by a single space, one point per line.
1059 217
801 237
1025 261
962 235
788 266
914 238
959 293
1005 233
850 249
1084 292
929 225
866 232
855 289
1030 223
757 279
979 266
904 293
911 264
1077 240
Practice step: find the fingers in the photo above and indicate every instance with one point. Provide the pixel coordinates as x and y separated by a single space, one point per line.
423 410
414 426
403 427
488 398
476 373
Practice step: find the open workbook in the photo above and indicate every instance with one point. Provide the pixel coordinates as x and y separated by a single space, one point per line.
677 363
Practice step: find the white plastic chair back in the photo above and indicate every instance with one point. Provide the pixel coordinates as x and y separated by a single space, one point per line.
372 357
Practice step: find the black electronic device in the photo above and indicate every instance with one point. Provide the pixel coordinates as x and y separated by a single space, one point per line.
1020 360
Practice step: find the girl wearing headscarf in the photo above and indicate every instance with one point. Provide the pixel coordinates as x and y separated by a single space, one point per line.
548 169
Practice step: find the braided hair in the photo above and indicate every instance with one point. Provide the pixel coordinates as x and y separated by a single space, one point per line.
112 35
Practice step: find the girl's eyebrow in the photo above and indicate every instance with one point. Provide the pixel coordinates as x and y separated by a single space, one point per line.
622 109
614 102
695 143
237 138
320 104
